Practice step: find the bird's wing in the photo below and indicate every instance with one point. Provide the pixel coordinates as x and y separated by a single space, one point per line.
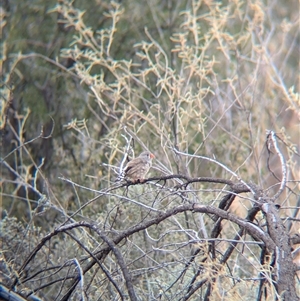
133 165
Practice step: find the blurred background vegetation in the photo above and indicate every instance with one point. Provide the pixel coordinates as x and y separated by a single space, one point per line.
81 80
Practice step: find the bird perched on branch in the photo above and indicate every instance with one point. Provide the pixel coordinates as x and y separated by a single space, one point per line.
137 168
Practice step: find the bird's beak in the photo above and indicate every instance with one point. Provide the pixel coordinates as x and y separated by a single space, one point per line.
152 156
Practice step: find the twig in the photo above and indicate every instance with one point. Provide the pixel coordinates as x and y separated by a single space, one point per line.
271 135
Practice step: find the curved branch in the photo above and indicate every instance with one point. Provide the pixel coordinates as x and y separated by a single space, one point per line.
251 228
271 137
121 262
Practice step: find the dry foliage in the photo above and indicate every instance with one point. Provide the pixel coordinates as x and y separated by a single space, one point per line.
210 88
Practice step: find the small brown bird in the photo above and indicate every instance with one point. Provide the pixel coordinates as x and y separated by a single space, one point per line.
138 167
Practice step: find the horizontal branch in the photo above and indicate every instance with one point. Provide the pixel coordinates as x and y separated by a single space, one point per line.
236 187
